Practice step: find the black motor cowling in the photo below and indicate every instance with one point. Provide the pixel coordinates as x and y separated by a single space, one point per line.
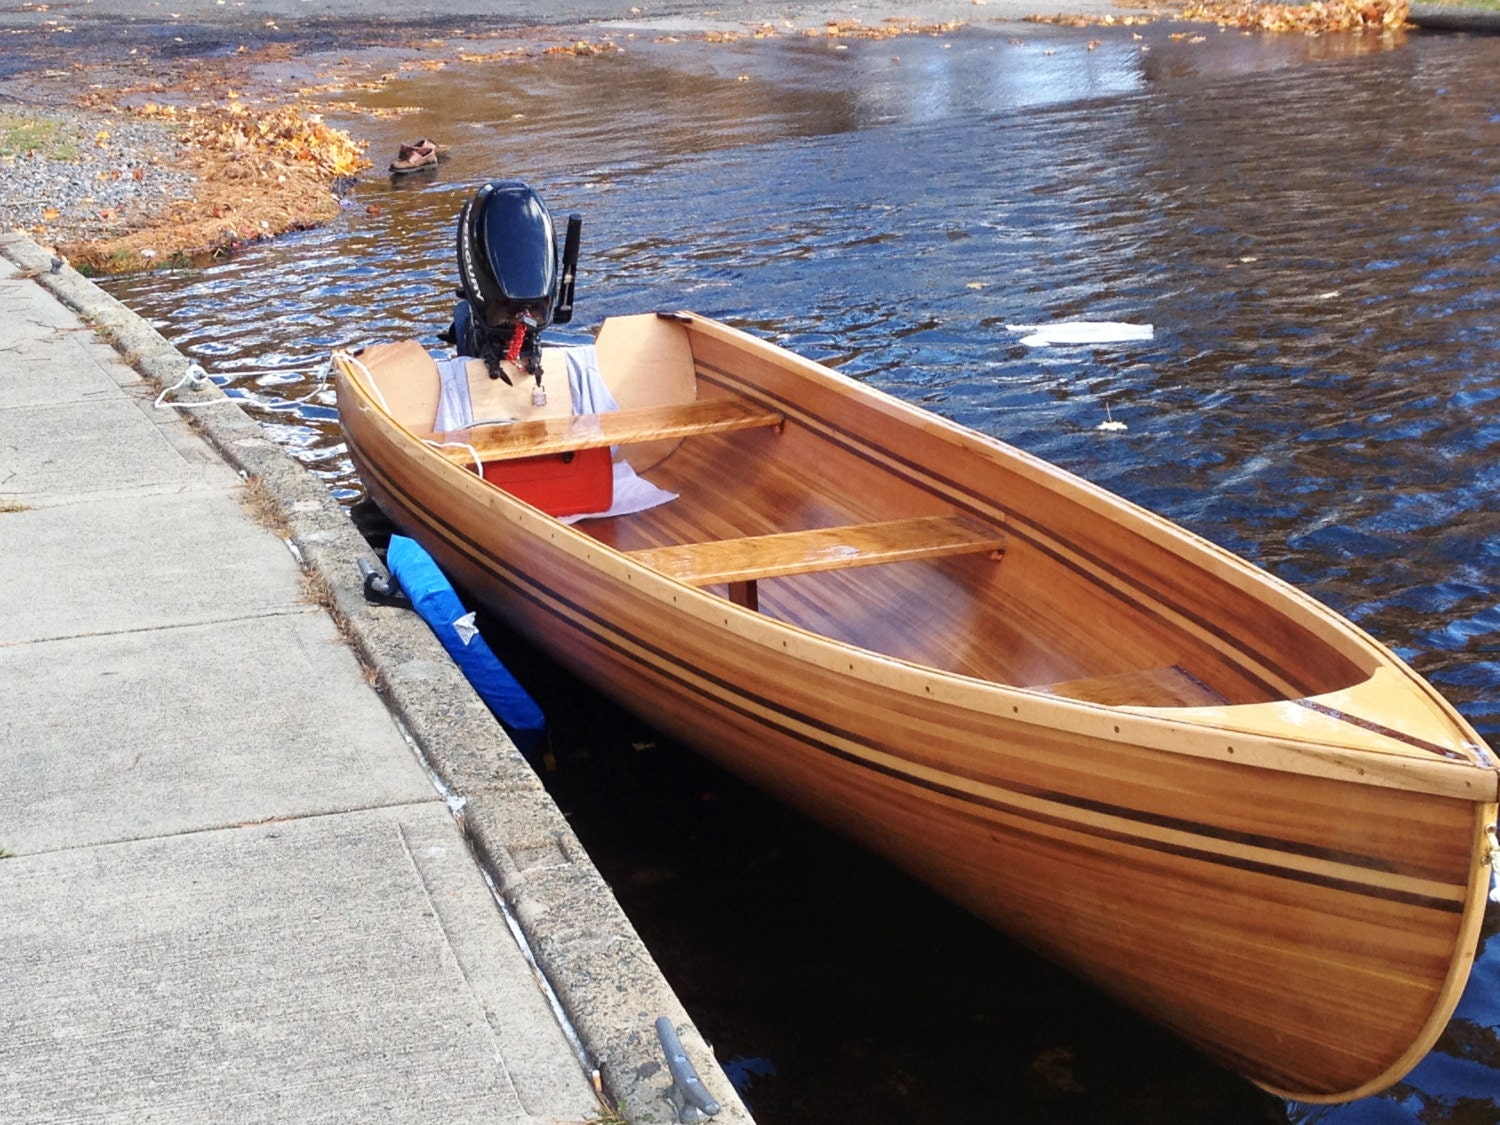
513 281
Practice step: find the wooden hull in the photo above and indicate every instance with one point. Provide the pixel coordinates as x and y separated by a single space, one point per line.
1287 867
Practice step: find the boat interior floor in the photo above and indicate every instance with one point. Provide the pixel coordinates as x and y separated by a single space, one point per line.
987 612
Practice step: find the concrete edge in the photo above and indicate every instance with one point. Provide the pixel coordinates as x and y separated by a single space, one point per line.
590 957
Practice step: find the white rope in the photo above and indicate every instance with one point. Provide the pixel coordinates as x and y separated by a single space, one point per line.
323 371
280 370
369 379
474 453
196 378
375 388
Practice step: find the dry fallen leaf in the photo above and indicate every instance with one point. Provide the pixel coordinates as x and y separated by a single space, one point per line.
1310 19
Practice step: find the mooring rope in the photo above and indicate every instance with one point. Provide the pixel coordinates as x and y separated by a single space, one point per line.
196 378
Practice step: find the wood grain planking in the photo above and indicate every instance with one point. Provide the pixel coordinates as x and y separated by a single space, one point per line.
1167 880
1027 622
1198 1016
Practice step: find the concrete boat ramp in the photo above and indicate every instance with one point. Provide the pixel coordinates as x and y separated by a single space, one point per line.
265 855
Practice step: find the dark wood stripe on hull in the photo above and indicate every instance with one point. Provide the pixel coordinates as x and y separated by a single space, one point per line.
717 691
1377 728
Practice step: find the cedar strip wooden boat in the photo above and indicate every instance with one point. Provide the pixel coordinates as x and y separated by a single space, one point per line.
1142 756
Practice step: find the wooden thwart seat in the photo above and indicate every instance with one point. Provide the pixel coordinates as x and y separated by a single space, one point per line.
742 562
616 427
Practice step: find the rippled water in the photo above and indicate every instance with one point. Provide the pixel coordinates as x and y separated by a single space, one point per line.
1312 225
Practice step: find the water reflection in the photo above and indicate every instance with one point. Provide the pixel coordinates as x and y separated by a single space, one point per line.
1312 225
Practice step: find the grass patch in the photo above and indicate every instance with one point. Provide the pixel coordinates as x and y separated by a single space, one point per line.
316 590
7 855
260 504
44 136
11 505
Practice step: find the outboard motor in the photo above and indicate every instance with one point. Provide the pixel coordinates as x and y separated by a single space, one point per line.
513 281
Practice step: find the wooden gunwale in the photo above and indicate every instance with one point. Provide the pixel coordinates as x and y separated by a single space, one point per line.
1028 810
1387 732
870 404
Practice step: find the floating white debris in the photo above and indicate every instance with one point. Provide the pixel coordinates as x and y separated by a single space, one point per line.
1081 332
1109 424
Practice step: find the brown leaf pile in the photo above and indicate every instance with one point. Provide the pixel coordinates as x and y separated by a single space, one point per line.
582 49
1063 20
285 135
1311 19
495 56
853 29
260 173
892 28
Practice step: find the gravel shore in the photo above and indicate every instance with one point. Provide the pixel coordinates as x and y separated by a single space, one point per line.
97 175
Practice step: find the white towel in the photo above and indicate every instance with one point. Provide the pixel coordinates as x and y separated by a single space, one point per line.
633 493
591 396
455 410
585 384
